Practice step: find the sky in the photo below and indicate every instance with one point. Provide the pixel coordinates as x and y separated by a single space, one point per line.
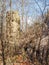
31 7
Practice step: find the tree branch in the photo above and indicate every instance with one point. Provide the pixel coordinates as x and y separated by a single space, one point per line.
39 6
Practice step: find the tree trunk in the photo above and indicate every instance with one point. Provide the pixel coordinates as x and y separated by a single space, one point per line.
3 57
2 44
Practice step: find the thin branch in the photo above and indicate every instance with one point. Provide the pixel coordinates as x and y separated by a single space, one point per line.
39 6
47 4
44 7
42 11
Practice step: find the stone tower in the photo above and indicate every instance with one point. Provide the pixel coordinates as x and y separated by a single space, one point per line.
12 27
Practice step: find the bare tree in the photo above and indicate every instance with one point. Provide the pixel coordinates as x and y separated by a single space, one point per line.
26 11
40 8
2 34
22 3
